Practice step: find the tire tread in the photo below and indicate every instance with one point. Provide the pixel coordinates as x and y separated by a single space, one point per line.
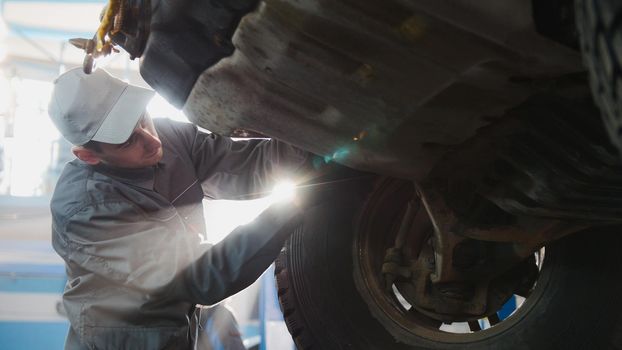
600 31
289 301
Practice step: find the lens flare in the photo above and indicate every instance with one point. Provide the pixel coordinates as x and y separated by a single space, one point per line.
283 191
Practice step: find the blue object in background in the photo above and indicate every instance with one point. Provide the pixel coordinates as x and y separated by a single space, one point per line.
272 328
33 335
32 279
508 308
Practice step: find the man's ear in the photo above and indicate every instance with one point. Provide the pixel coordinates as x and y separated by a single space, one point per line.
86 155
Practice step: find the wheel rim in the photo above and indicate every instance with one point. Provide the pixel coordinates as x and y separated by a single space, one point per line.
375 232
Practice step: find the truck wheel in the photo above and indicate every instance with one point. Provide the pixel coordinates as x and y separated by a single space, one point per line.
329 302
599 23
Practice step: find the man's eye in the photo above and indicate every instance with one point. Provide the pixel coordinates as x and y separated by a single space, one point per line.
128 142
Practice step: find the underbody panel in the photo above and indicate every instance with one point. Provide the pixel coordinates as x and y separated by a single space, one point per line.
385 86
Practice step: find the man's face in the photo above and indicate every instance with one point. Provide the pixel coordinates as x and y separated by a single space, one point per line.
142 149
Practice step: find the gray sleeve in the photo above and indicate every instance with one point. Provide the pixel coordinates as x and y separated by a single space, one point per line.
244 169
240 259
121 245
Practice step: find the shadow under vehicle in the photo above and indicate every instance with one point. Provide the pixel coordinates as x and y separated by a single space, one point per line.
496 178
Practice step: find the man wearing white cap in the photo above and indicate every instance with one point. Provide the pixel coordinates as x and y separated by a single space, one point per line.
127 216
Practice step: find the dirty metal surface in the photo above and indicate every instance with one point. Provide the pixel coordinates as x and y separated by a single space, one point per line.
386 86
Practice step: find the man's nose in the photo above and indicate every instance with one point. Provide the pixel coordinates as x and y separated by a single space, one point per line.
150 141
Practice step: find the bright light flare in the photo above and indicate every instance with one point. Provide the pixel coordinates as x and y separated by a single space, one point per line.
284 191
223 216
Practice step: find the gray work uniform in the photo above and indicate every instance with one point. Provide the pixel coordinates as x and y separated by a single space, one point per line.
130 238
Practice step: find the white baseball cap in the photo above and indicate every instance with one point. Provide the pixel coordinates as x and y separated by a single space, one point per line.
96 107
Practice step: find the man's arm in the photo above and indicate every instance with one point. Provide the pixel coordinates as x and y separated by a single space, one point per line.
124 246
244 169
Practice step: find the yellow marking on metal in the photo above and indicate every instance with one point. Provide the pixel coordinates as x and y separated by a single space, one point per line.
413 28
112 9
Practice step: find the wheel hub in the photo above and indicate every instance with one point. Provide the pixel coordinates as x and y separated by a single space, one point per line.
427 276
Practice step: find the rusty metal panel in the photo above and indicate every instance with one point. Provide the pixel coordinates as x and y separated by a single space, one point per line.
386 86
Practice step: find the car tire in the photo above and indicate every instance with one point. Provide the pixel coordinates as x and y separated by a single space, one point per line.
599 23
578 307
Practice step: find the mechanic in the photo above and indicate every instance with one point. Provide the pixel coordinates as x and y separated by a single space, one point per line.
128 216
